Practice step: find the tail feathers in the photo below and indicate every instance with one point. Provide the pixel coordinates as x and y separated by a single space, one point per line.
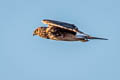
89 37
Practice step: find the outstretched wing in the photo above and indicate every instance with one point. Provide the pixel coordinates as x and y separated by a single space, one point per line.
62 25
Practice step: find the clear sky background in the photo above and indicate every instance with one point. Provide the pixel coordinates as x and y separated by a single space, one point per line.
24 57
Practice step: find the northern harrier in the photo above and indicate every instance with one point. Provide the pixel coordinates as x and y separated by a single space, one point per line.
62 31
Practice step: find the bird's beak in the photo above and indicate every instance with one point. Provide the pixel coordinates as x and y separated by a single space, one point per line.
34 34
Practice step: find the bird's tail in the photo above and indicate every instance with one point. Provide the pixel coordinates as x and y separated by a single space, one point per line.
89 37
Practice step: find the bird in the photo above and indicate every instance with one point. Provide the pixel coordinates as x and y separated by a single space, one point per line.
62 31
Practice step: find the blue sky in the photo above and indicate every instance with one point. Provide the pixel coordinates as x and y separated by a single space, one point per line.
24 57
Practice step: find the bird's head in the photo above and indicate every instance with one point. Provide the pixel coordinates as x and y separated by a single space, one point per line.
36 31
39 31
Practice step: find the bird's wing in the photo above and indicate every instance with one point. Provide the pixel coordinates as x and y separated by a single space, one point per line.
63 25
60 24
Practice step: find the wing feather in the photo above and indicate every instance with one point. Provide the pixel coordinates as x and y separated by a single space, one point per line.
62 25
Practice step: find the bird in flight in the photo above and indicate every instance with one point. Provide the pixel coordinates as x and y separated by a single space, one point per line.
62 31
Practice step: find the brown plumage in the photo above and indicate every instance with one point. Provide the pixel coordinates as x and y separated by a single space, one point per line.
62 31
